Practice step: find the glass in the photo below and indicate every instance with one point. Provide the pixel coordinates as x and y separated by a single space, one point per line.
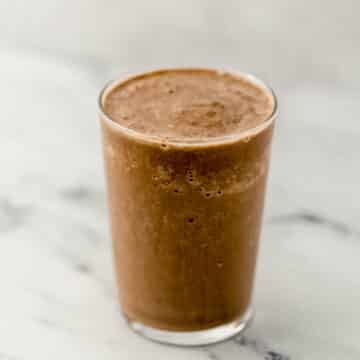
186 219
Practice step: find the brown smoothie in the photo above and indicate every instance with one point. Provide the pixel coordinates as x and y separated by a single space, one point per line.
186 154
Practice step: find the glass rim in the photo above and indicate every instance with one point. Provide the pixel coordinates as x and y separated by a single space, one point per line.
190 141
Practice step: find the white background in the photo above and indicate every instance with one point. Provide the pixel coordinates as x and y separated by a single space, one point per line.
58 299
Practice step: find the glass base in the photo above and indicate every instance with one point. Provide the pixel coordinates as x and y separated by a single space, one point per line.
193 338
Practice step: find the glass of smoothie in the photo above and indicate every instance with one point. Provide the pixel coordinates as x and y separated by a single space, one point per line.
186 157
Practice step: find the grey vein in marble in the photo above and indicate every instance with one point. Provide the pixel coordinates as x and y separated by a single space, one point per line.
210 354
312 218
12 215
84 195
4 356
260 348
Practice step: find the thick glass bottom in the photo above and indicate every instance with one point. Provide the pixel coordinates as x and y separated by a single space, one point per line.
193 338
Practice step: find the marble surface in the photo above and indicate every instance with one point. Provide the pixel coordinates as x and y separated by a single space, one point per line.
58 299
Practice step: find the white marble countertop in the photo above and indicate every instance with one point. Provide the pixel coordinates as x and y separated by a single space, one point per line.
58 298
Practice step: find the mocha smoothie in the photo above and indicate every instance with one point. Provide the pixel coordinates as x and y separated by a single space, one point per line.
186 154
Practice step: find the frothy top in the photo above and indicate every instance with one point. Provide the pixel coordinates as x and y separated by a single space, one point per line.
194 103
